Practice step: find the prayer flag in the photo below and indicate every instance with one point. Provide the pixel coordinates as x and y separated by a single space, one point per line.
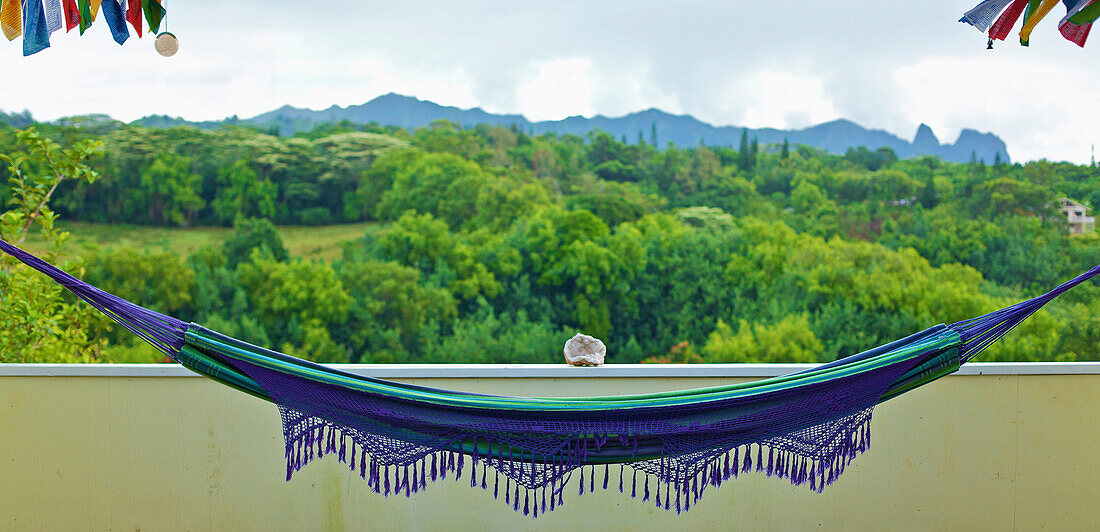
116 20
133 15
11 19
53 15
35 36
72 15
1037 15
983 14
85 15
154 12
1075 33
1008 19
1086 15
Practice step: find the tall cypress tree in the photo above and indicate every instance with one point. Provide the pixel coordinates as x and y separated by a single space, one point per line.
653 135
744 161
786 153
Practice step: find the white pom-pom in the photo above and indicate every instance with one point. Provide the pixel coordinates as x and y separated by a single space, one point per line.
584 350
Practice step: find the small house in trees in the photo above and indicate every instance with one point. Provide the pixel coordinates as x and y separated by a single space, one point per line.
1076 213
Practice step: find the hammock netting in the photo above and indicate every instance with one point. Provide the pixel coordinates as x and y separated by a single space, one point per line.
666 448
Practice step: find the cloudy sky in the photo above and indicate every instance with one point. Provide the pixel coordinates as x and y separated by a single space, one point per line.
884 64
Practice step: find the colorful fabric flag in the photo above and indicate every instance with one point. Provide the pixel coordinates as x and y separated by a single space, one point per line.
1089 14
86 18
35 35
154 12
53 15
1036 16
1004 24
116 20
133 15
72 15
983 14
1075 33
95 8
11 19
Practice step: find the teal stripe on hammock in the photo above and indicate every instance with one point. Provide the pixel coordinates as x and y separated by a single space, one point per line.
940 341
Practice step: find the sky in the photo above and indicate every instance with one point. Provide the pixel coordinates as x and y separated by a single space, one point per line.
885 65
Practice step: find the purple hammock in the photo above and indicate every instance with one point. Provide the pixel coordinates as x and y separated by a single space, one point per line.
668 448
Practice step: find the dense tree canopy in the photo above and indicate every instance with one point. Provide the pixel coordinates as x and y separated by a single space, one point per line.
491 245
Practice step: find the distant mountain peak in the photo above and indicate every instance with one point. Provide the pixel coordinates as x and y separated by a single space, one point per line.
925 139
836 136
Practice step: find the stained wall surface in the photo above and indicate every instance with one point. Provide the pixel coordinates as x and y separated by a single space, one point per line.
151 449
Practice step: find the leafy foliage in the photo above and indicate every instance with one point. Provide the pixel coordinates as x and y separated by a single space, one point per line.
491 245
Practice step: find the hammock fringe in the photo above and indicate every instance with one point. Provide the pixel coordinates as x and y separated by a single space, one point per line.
689 483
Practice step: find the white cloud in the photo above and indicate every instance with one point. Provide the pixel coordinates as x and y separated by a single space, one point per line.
557 88
774 98
884 65
1041 108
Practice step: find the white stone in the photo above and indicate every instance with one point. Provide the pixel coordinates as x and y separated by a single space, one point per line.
584 350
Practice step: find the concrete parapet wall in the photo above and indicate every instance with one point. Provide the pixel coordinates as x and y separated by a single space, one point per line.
1002 446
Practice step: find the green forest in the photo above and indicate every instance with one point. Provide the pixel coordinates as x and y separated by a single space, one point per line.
489 245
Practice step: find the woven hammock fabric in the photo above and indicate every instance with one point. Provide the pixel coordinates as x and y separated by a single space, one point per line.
997 17
668 448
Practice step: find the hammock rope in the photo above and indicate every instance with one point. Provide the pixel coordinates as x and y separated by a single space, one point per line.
804 427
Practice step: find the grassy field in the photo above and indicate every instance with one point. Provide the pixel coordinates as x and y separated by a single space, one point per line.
315 242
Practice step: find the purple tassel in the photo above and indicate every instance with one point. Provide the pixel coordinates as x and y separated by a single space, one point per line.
746 466
473 473
581 491
726 466
592 479
408 489
605 476
484 474
552 489
515 499
668 495
496 485
759 458
544 500
527 502
458 474
433 467
646 497
387 476
677 500
771 460
507 490
657 497
621 467
634 483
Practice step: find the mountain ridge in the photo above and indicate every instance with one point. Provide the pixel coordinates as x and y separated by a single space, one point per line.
835 136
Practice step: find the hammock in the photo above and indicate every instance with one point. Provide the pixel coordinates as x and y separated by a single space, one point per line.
665 447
